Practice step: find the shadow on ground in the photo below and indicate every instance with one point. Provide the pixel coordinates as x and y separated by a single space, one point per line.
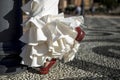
113 74
108 51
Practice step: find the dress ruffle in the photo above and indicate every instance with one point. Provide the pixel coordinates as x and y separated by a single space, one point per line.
41 7
48 36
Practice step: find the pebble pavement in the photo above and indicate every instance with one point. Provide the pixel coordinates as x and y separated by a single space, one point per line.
98 57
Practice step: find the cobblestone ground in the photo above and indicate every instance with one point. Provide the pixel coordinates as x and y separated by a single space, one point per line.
98 57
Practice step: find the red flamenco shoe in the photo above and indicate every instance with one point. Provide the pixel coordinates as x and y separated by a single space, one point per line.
45 70
80 34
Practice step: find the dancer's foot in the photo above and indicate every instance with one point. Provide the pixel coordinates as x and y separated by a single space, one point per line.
47 66
80 34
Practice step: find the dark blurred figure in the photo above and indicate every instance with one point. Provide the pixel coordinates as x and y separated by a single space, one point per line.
78 10
82 8
92 10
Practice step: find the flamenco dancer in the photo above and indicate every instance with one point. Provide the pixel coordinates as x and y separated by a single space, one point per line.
48 35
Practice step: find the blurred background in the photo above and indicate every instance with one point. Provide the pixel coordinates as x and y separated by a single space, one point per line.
88 7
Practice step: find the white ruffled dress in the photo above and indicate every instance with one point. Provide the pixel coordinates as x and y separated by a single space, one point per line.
48 34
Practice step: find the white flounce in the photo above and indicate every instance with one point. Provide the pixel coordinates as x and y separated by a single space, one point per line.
48 36
41 7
